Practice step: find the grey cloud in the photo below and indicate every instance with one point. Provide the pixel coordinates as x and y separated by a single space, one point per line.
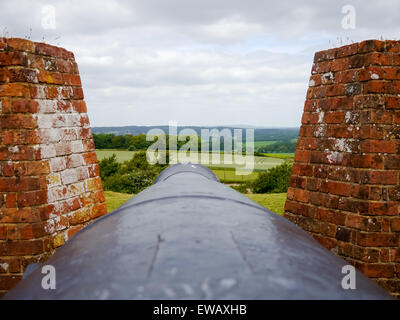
198 62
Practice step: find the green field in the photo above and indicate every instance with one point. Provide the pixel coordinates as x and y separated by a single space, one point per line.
122 155
225 171
279 155
228 175
258 144
260 163
115 199
272 201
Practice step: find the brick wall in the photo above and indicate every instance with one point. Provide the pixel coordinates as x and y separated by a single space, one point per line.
49 178
344 187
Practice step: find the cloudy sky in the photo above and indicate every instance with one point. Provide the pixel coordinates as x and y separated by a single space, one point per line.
197 62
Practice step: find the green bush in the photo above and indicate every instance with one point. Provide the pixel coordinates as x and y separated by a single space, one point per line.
131 176
108 166
274 180
242 187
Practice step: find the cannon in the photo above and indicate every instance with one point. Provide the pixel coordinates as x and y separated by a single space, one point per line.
188 236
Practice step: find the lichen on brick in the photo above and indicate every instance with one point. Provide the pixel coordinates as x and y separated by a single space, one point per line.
48 134
353 170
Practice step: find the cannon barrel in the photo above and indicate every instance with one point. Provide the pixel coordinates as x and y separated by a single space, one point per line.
188 236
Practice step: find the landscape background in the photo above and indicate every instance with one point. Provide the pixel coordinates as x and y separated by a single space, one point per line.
125 171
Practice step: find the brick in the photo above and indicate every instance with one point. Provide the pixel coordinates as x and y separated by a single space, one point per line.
334 117
302 155
343 234
98 210
340 64
21 45
23 75
348 50
78 93
392 46
79 106
356 61
392 73
362 223
392 162
79 216
22 247
392 102
326 242
3 75
298 195
379 86
93 184
90 157
24 106
9 281
395 224
383 208
13 59
366 102
14 90
339 188
371 46
377 239
380 177
331 216
367 161
49 50
371 73
33 198
297 208
378 58
376 270
391 285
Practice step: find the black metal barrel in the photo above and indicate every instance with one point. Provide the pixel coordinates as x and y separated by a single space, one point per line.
190 237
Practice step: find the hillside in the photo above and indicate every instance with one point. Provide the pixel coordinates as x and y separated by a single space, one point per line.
260 134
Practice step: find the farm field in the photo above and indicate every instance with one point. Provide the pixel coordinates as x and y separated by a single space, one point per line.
228 175
122 155
272 201
258 144
260 163
279 155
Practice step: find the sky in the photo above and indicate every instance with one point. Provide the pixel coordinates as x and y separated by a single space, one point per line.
197 62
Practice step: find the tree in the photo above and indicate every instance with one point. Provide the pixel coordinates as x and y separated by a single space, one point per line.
274 180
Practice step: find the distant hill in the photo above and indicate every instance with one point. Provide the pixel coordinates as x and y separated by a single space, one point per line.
260 134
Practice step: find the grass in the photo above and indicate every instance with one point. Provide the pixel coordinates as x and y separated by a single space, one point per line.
115 199
122 155
224 172
260 163
228 175
258 144
272 201
279 155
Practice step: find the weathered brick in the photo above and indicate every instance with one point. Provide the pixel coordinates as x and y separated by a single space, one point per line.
377 239
347 161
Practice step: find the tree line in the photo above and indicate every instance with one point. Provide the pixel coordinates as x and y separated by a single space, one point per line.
278 147
139 142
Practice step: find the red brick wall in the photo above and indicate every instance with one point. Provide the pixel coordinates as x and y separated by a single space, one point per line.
344 187
49 178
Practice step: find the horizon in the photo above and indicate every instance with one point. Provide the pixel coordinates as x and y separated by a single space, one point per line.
202 126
